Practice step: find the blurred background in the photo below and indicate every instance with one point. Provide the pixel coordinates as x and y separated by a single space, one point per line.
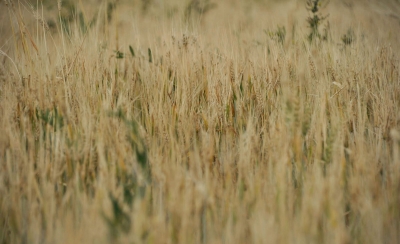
250 19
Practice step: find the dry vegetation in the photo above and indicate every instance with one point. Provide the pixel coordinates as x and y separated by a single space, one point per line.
199 122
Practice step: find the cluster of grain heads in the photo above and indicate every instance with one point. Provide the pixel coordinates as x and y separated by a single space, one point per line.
196 138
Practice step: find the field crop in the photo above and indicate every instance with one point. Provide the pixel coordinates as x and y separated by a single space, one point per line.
199 121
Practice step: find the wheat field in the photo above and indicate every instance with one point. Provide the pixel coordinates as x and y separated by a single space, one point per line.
199 122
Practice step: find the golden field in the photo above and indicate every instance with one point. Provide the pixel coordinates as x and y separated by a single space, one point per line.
199 121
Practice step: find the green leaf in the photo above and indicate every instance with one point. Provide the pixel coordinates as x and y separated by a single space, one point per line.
131 50
119 55
150 56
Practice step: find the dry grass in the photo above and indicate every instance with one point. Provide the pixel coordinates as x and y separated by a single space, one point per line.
211 133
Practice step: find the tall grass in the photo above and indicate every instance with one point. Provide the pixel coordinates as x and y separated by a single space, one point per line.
125 127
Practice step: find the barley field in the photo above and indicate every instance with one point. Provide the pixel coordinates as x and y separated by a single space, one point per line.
196 121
